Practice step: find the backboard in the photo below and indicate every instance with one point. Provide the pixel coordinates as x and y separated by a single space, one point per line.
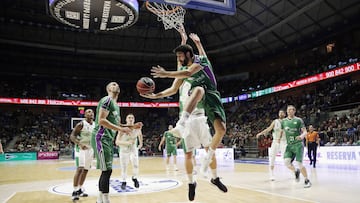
227 7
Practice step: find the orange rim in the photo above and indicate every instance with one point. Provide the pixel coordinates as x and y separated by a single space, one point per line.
156 12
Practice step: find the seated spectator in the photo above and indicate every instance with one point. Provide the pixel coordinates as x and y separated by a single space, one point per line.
351 142
331 142
350 132
345 142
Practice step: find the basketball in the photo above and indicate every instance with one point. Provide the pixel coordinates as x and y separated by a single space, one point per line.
145 85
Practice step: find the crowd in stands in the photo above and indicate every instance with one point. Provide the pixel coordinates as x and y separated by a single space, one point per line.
309 63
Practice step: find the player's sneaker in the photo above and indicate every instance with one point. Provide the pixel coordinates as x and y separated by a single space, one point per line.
81 193
136 182
219 184
178 130
297 175
75 196
307 183
123 185
191 193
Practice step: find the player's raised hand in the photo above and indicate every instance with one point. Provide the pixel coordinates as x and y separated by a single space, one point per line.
194 37
183 35
158 72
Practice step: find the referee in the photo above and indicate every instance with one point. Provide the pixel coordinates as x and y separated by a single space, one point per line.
312 143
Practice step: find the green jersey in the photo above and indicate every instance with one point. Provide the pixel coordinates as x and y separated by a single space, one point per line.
169 139
102 139
292 128
205 77
110 105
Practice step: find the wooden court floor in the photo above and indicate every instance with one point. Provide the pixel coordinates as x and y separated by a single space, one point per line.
30 181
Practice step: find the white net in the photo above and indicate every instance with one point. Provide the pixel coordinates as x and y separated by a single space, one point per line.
172 16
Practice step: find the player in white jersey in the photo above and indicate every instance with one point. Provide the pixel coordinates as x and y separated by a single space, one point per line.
81 136
278 142
129 151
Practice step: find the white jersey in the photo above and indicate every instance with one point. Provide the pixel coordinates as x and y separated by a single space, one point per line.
85 133
277 130
277 147
131 137
184 94
84 157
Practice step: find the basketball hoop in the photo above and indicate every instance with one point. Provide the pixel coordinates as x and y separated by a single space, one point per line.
171 16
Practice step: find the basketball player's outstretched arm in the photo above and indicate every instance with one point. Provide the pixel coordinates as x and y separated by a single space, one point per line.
167 92
137 125
183 35
103 113
160 72
195 38
267 130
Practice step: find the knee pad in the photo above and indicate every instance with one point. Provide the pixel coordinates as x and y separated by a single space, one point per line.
287 162
299 164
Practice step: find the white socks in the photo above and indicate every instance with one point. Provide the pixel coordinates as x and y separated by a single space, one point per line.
106 198
190 178
214 173
99 198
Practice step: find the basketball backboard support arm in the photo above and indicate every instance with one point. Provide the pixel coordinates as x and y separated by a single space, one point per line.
227 7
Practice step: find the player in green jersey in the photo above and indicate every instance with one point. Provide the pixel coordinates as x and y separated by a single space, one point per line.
107 124
171 145
199 73
295 131
196 133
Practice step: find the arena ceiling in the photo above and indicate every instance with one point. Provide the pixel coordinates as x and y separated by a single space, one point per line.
30 37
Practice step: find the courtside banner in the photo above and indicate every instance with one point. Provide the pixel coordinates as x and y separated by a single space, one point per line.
18 156
54 102
48 155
